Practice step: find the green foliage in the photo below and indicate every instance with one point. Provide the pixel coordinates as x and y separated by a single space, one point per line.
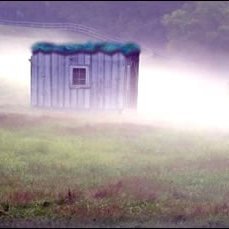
199 24
105 47
179 25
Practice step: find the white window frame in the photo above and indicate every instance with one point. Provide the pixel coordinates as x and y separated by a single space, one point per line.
71 76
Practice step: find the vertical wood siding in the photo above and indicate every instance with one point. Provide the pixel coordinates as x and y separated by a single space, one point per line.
47 76
128 80
87 91
113 81
73 91
34 84
134 81
54 76
100 80
121 89
80 91
136 74
67 97
41 79
125 83
94 82
61 82
108 78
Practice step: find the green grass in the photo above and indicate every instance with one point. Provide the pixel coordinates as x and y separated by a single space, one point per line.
110 169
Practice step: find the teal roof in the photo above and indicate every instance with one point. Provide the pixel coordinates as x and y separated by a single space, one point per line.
89 47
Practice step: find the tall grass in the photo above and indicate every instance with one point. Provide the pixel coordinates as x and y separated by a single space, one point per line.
100 169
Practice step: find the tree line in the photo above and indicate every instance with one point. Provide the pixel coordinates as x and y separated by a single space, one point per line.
181 26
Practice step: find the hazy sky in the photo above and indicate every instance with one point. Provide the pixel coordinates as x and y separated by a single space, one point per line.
169 87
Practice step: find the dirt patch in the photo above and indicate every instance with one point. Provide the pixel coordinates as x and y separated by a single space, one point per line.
23 197
132 187
70 196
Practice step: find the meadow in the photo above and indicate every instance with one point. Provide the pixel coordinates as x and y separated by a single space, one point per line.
77 169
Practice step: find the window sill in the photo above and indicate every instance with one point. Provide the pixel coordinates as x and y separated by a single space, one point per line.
80 87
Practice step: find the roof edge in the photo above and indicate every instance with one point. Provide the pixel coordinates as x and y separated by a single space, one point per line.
126 49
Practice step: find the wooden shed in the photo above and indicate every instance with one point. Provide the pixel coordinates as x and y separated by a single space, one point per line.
93 76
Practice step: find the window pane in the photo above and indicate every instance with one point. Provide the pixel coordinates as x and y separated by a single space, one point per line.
82 72
75 80
74 72
82 81
79 76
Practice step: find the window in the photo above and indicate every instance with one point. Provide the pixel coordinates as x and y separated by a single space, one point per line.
79 76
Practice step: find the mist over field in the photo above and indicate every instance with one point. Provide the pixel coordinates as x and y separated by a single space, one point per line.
163 165
170 89
184 47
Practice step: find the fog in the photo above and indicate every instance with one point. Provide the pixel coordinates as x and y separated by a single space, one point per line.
172 90
183 94
15 52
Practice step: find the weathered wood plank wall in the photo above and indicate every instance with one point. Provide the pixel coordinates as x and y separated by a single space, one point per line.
47 74
80 91
108 78
87 91
113 81
61 77
94 81
121 88
34 80
67 95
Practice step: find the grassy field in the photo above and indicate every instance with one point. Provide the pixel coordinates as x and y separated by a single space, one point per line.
61 169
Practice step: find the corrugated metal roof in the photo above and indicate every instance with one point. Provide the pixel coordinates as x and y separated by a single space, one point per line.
89 47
